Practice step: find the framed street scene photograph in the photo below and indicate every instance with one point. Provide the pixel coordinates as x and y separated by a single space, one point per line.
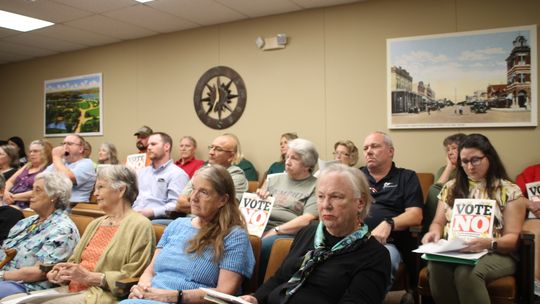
74 105
484 78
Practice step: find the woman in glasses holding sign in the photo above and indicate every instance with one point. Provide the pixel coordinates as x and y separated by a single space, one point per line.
480 175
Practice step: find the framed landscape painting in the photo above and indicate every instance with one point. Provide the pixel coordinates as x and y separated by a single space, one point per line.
74 105
472 79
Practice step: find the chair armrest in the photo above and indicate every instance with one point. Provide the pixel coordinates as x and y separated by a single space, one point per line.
415 230
10 254
525 269
124 286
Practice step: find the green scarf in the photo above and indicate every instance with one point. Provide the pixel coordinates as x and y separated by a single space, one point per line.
318 255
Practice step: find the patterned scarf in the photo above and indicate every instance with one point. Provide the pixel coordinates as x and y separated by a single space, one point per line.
317 256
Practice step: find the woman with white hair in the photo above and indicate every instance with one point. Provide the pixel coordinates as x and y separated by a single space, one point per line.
115 246
335 260
295 203
48 237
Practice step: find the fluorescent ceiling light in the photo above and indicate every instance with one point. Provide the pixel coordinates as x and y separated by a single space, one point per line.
144 1
21 23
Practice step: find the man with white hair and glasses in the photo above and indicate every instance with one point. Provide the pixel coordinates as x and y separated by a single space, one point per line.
68 159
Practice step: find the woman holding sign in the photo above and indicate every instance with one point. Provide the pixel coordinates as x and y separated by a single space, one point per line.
210 250
295 204
480 175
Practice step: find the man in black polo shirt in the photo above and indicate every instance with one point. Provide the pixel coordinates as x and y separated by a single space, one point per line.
398 199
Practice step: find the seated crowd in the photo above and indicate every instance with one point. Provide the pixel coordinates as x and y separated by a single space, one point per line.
350 226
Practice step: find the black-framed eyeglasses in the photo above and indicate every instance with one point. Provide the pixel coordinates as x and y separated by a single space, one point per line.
218 149
475 161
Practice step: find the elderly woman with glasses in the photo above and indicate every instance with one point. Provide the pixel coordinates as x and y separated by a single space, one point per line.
19 187
115 246
334 260
211 249
295 204
480 175
48 237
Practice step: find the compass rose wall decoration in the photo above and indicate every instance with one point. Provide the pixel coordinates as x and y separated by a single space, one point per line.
220 97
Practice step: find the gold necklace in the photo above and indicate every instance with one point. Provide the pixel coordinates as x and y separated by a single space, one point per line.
109 221
35 224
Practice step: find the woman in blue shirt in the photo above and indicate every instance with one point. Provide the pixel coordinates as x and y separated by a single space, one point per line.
210 250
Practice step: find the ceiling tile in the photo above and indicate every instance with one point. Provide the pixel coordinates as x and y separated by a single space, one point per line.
43 9
75 35
258 8
4 32
150 18
10 47
202 12
37 41
111 27
98 6
84 23
322 3
5 56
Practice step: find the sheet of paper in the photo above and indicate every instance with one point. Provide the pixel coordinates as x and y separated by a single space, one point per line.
40 297
224 296
441 246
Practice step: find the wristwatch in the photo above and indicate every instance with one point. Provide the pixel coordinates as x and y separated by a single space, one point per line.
2 275
180 296
493 245
390 221
276 229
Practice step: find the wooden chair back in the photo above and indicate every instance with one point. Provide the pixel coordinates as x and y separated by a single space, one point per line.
81 221
158 230
87 209
253 186
426 180
251 285
279 251
28 212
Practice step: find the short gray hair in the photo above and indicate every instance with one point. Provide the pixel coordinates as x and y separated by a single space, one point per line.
237 149
58 188
191 139
306 150
386 138
118 176
358 182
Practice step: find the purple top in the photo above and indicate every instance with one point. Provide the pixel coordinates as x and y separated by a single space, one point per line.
24 183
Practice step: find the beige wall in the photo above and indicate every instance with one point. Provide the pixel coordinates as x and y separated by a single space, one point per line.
328 84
